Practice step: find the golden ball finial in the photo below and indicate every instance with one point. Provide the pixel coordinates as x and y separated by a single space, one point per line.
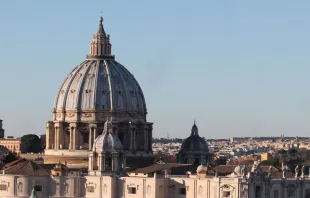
101 19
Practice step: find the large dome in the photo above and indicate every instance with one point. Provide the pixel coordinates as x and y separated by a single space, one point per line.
100 84
97 90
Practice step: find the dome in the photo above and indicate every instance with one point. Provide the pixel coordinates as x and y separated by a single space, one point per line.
100 84
202 168
107 141
194 142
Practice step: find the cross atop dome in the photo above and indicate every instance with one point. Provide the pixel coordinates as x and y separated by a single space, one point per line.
100 47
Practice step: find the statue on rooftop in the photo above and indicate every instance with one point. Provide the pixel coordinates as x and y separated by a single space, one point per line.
269 171
296 171
284 171
303 170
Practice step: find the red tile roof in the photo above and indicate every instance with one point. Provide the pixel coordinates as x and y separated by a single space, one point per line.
25 167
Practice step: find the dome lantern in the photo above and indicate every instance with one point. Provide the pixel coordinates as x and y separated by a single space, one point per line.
100 47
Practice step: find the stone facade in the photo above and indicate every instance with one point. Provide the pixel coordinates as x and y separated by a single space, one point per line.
12 144
152 187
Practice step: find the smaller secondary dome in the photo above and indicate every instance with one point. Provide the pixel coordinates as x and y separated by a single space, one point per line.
202 169
194 142
107 141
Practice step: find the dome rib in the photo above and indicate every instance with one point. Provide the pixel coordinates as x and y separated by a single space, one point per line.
87 86
124 85
80 87
110 86
70 79
133 81
96 77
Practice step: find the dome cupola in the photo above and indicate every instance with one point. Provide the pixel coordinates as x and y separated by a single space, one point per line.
194 149
100 87
107 141
194 142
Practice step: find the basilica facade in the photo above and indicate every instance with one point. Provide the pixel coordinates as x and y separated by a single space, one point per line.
97 90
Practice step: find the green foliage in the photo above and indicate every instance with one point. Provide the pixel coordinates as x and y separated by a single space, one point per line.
31 143
30 137
282 151
10 158
274 163
292 151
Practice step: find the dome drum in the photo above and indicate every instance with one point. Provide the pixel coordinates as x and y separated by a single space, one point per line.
97 116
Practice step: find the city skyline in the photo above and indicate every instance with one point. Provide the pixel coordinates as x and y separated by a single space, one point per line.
240 69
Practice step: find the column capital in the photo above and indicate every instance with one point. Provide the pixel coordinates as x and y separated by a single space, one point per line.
101 154
73 124
92 125
58 124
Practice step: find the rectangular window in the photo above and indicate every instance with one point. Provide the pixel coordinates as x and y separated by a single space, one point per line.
257 191
38 188
290 193
85 138
90 189
3 187
132 190
276 194
182 191
226 194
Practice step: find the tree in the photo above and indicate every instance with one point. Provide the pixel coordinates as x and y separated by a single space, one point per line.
9 158
31 143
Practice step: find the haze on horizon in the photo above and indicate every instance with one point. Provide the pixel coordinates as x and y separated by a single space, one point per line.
241 68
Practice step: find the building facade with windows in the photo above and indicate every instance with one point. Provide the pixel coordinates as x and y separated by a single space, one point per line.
108 177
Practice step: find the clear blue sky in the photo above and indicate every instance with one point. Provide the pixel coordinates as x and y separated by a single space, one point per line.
240 67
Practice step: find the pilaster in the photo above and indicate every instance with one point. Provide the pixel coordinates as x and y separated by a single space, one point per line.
90 141
56 139
91 162
146 138
73 136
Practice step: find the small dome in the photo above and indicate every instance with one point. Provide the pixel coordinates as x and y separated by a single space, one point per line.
194 142
201 168
107 141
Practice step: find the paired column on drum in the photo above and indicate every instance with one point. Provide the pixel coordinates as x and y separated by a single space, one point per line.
132 132
93 134
74 142
146 137
101 162
59 133
50 135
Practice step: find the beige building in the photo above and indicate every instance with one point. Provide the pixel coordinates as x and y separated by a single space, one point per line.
265 156
11 143
108 177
